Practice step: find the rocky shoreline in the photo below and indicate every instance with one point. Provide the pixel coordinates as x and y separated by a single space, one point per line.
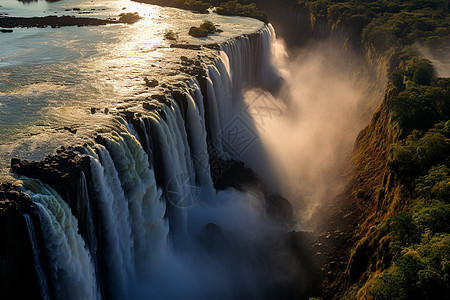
61 21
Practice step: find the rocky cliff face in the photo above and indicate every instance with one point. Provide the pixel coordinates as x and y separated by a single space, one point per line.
60 170
17 273
400 158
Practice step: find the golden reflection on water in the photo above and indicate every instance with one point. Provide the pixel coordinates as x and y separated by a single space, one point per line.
50 78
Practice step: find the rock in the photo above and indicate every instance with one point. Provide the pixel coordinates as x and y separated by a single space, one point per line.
150 106
186 46
18 278
279 209
211 238
184 58
151 83
70 129
214 46
198 32
106 111
6 30
60 170
188 62
128 114
160 97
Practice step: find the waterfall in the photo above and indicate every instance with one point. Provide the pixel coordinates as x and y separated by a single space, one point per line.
42 279
248 61
132 213
70 265
145 177
86 219
245 62
116 241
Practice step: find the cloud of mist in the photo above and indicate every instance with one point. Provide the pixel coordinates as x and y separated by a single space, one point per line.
441 62
310 134
225 264
305 136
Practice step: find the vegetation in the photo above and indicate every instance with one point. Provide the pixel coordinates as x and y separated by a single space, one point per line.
170 35
198 32
206 28
403 156
244 8
236 8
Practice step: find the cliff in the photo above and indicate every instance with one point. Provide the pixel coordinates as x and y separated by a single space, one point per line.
398 194
18 276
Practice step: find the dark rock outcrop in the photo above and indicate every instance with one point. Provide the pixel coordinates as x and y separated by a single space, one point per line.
18 278
211 238
61 171
151 83
186 46
55 21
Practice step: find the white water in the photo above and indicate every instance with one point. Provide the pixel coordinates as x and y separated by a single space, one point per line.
148 235
42 279
70 265
115 223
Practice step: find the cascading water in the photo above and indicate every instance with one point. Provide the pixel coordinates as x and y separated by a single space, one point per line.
139 218
114 222
72 273
86 219
42 279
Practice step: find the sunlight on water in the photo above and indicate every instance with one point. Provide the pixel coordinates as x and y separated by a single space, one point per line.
51 77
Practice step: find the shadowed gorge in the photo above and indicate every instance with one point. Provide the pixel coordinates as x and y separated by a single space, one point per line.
301 153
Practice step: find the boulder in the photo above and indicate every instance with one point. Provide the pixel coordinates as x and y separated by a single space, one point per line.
151 83
211 238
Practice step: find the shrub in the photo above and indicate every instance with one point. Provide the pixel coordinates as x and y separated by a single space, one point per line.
129 17
170 35
234 8
423 72
209 26
198 32
435 185
414 157
432 215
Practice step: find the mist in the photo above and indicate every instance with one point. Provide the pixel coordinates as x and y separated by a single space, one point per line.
219 261
441 61
308 130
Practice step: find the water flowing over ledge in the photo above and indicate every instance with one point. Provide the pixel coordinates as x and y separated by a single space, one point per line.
120 216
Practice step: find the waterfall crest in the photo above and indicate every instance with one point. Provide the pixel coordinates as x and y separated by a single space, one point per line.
135 206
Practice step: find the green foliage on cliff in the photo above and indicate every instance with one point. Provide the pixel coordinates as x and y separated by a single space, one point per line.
385 24
243 8
236 8
403 251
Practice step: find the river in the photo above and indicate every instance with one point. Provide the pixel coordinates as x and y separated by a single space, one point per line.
50 78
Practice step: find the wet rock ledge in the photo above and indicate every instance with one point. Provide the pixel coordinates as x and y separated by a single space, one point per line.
61 170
